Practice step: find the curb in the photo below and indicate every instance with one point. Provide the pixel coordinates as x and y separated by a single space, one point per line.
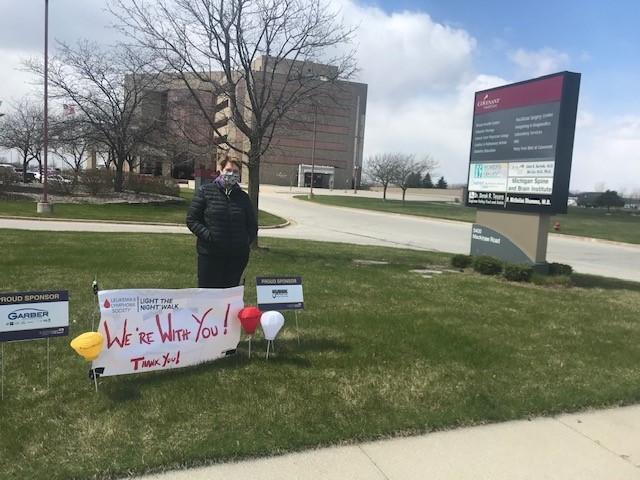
271 227
594 240
87 220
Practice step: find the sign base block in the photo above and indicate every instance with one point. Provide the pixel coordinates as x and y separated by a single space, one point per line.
44 208
513 237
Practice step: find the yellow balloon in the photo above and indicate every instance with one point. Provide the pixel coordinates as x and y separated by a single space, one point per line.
88 345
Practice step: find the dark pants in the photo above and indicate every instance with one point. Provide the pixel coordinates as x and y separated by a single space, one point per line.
221 271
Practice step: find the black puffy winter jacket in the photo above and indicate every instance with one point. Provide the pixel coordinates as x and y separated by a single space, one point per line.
222 220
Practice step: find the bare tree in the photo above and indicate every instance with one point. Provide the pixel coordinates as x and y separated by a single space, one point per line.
383 169
600 186
430 164
22 130
267 54
107 85
71 139
406 166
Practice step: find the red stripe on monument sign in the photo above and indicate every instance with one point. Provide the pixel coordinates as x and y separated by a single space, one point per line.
545 90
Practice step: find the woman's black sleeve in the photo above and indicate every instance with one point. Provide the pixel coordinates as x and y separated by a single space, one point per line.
195 217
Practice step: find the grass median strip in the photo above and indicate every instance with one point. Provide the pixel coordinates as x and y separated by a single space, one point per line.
169 212
383 352
618 225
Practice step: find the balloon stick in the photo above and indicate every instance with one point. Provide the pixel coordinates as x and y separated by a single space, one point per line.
95 379
268 343
95 288
250 346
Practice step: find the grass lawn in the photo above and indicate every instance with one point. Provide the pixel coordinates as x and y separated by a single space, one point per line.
174 212
384 352
620 225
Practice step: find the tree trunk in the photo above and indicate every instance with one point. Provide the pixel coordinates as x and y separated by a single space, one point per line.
404 191
384 192
25 164
254 188
118 180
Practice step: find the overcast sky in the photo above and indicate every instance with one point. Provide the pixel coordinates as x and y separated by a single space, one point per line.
424 59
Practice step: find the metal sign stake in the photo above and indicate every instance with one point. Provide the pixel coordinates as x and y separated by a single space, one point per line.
48 363
2 371
297 327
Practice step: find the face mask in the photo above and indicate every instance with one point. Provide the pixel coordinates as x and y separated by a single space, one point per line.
230 178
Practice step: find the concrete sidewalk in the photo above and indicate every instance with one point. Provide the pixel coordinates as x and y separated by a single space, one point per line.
598 445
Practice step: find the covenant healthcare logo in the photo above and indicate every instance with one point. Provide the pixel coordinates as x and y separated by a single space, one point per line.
488 103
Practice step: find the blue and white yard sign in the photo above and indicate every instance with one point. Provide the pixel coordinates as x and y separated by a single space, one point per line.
33 315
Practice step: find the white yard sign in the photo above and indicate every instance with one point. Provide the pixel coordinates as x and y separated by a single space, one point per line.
147 330
279 293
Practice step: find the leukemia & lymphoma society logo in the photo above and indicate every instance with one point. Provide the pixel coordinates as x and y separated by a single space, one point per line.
488 103
120 304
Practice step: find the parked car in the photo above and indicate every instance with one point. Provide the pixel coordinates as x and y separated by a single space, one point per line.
58 178
52 173
30 177
18 171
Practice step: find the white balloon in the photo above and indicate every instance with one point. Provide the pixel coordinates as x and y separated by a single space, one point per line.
271 323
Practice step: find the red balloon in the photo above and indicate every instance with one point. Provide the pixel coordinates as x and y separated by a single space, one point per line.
249 319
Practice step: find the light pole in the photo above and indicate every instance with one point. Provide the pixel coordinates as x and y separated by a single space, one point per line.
355 179
355 146
44 206
313 148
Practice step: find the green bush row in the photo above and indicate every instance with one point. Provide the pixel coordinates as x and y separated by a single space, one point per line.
8 177
514 272
147 184
100 181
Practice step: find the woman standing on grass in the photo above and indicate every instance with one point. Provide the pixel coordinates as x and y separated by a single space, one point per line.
222 218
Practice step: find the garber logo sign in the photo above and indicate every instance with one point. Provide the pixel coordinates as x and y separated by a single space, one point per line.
488 103
27 313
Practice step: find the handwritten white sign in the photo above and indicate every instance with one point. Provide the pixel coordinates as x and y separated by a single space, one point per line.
147 330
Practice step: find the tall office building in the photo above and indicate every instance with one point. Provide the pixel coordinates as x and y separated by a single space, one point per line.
323 135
